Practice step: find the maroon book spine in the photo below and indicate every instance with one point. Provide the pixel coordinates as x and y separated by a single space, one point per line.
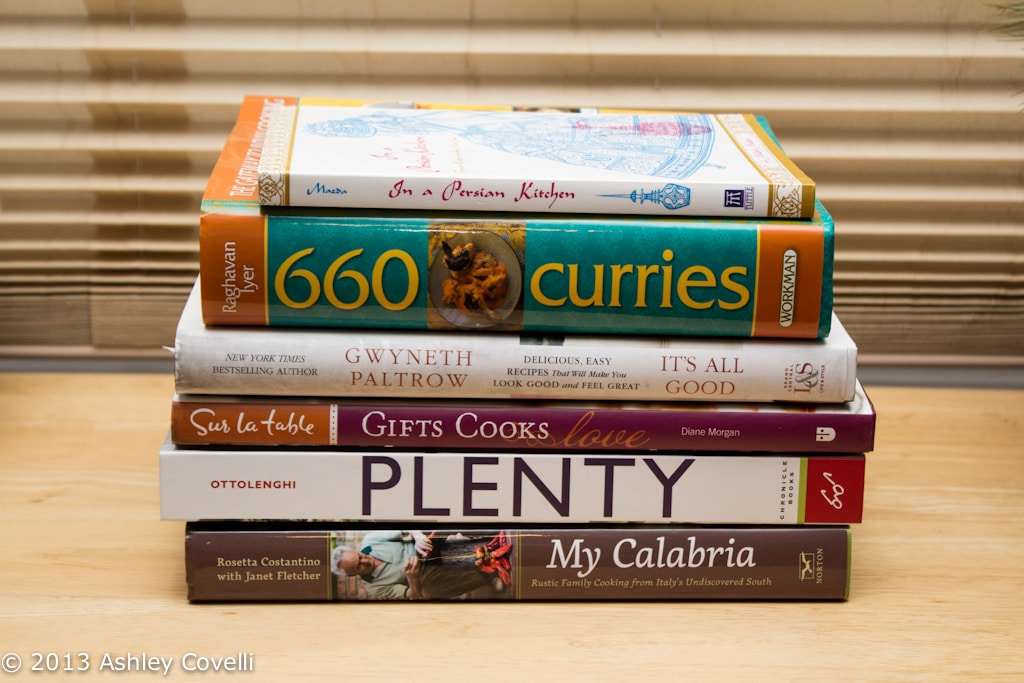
517 425
252 562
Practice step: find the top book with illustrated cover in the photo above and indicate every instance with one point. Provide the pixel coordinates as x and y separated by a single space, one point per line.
591 273
330 153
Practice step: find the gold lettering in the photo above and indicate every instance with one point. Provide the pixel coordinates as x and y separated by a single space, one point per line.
734 287
574 286
666 283
688 279
410 269
609 281
618 271
535 288
642 273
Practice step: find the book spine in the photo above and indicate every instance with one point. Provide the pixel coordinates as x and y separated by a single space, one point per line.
444 364
246 563
528 486
234 183
645 164
589 275
544 195
235 177
505 425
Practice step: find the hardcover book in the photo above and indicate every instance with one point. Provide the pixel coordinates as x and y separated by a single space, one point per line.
525 424
253 562
488 270
464 364
392 485
518 272
320 152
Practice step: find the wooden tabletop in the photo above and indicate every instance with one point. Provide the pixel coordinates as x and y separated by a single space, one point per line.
88 567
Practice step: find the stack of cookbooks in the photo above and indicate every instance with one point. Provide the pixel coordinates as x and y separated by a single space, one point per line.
479 353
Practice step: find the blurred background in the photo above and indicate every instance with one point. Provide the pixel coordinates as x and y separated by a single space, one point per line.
909 115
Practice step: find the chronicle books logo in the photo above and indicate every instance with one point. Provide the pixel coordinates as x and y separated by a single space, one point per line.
812 565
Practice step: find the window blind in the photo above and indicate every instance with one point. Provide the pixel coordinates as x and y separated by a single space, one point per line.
908 115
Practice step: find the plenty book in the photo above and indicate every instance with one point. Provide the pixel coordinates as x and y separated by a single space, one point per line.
320 152
253 562
464 364
392 485
490 270
505 424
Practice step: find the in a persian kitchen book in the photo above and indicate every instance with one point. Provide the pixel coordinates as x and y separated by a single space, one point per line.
327 153
495 271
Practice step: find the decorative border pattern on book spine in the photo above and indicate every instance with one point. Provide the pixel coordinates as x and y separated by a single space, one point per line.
274 161
786 189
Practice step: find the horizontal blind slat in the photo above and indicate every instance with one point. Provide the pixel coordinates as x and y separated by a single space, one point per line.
907 115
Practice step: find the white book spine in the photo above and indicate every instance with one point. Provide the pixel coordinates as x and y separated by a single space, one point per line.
339 363
656 164
529 487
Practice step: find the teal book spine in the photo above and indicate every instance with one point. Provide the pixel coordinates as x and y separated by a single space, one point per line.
507 273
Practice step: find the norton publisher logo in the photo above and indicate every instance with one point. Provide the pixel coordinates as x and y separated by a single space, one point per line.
812 566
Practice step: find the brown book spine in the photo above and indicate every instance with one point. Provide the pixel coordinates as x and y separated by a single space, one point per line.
250 562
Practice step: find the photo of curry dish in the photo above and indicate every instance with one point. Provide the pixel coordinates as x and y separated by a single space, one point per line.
475 278
478 283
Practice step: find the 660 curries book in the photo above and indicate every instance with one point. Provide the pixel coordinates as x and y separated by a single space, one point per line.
488 269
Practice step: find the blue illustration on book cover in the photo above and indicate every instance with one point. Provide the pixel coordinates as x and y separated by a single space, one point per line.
526 161
673 146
